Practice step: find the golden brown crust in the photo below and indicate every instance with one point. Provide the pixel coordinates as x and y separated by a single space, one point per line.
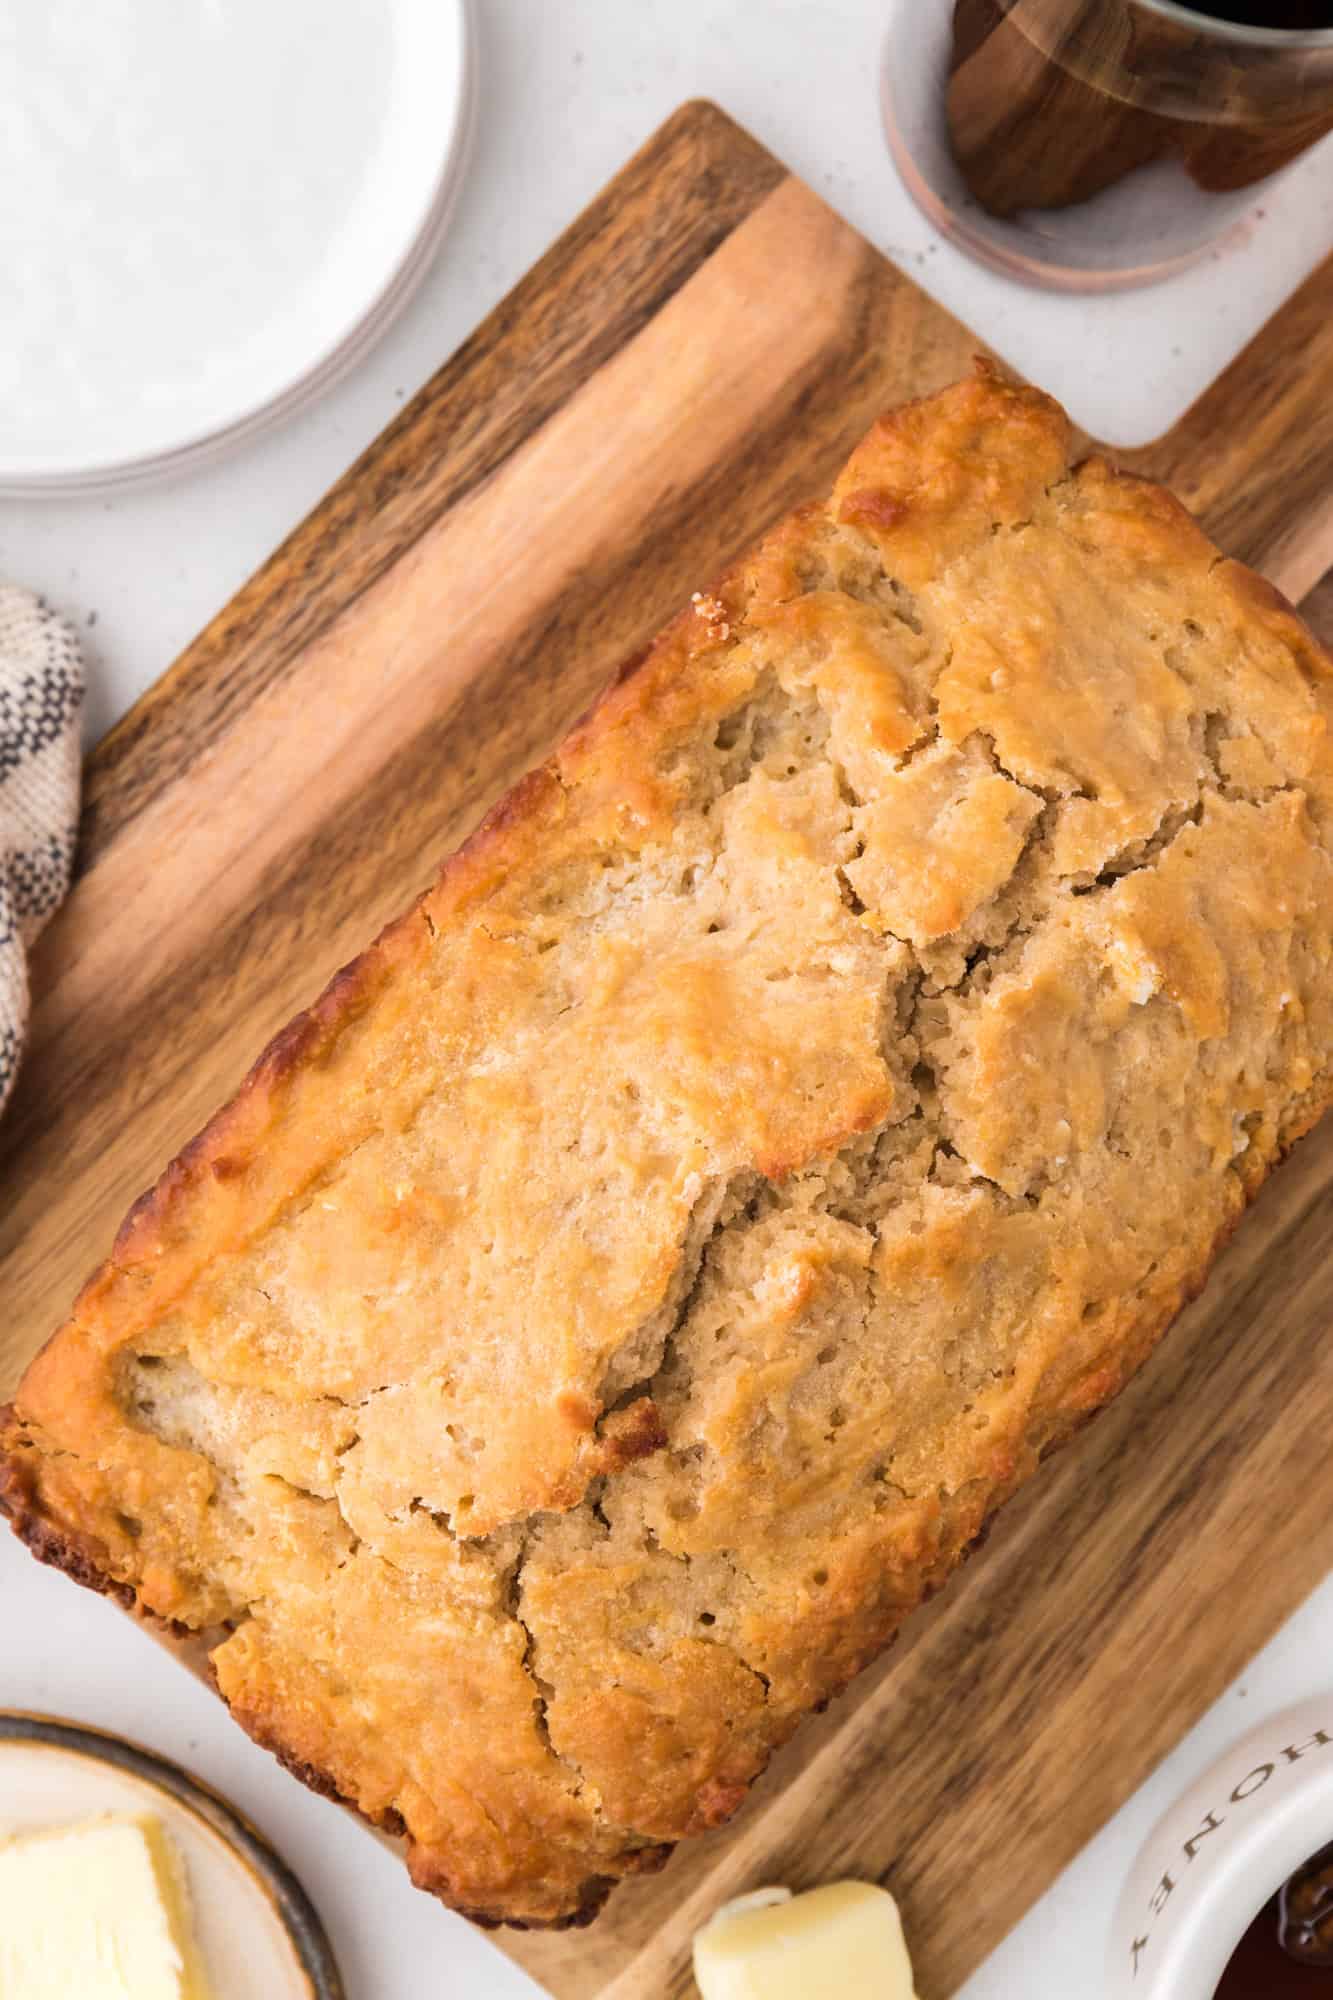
636 1280
79 1556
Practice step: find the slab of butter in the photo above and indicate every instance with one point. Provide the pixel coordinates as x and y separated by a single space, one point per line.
844 1941
96 1911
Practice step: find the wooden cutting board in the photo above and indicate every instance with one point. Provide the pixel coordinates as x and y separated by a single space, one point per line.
696 353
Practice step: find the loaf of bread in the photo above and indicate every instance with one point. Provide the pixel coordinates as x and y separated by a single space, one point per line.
627 1291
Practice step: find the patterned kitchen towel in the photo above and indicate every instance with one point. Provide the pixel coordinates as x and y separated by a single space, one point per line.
41 694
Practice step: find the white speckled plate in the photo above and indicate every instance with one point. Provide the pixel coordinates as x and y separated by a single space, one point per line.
257 1928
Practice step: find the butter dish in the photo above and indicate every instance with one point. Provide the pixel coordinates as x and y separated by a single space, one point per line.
256 1929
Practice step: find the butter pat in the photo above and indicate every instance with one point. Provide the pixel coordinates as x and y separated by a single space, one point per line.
844 1941
96 1911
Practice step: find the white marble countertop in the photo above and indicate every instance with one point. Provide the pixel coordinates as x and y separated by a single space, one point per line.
567 92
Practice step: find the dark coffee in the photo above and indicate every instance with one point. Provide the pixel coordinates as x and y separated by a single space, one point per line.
1287 1953
1300 15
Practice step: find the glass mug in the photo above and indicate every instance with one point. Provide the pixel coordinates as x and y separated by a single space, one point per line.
1097 143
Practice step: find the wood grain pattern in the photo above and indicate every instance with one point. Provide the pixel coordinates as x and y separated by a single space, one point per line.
697 353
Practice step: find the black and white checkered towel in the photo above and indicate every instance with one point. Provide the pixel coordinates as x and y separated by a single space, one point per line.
41 694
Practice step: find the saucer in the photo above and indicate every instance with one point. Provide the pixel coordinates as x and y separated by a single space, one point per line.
257 1929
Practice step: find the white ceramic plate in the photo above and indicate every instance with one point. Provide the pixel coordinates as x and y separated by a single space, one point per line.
257 1929
209 212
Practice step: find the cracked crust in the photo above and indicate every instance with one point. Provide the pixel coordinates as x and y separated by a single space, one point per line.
633 1284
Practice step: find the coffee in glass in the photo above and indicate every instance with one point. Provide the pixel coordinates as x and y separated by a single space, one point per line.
1103 141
